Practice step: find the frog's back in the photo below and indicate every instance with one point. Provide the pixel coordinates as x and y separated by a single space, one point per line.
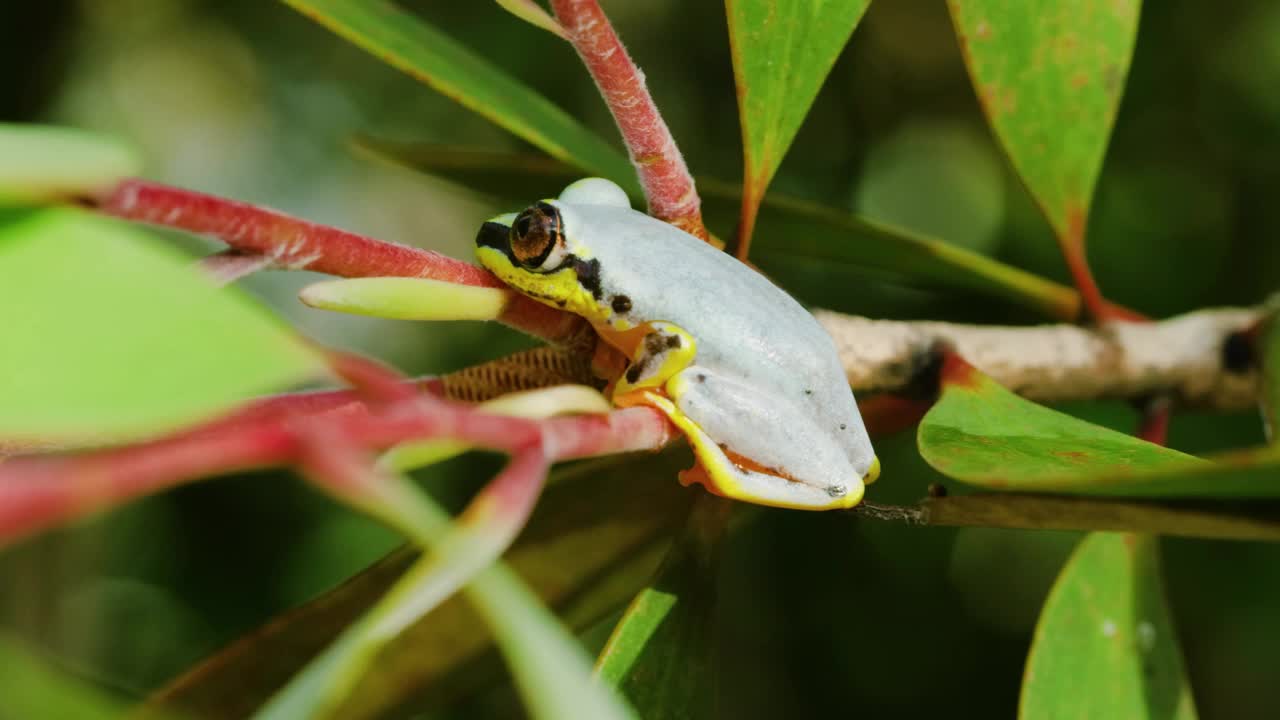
744 324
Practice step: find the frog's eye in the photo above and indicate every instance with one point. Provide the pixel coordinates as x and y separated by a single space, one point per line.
537 238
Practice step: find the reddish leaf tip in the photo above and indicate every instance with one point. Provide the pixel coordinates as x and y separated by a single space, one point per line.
957 372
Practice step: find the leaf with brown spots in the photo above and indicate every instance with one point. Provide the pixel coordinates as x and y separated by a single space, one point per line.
984 435
1049 75
1105 645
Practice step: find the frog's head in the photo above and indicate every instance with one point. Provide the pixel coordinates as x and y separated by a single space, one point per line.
540 253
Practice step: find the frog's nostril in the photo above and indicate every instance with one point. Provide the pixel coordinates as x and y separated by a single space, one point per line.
494 235
873 472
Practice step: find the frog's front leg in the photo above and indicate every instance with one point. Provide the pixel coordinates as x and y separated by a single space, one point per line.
659 351
758 447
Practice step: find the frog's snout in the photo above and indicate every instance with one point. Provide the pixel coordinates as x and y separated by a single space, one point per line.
873 472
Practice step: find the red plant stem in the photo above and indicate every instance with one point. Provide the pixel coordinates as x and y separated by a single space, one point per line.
668 186
294 244
37 492
1073 252
290 242
376 382
1154 427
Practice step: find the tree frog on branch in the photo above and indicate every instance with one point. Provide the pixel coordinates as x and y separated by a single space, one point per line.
736 364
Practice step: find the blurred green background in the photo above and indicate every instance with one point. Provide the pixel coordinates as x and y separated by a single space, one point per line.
822 615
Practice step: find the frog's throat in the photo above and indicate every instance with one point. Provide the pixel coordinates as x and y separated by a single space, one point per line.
722 475
575 287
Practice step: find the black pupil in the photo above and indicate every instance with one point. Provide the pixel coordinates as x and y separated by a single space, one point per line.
522 226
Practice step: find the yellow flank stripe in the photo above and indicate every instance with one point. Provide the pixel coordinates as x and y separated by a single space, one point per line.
723 473
873 473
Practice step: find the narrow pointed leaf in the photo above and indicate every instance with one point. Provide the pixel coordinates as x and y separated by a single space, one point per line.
782 53
985 435
534 14
1257 520
789 228
406 298
549 667
1049 76
409 44
587 549
110 336
659 655
42 162
1105 645
31 688
541 403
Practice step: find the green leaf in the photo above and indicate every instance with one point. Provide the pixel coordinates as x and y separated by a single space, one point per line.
1049 76
31 688
595 537
42 162
782 53
790 228
1269 347
534 14
407 43
110 336
984 435
1105 645
1182 518
551 670
660 652
548 665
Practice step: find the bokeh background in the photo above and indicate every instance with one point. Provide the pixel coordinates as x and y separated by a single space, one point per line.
822 615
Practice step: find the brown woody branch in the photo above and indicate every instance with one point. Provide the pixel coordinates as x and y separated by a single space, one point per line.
1255 521
1186 357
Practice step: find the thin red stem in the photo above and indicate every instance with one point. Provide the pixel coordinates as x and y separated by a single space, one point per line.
1073 251
668 186
290 242
293 244
1154 427
751 197
37 492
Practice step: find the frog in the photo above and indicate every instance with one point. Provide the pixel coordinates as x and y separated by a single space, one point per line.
735 363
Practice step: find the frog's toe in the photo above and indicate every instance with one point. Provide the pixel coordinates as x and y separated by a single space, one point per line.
873 473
